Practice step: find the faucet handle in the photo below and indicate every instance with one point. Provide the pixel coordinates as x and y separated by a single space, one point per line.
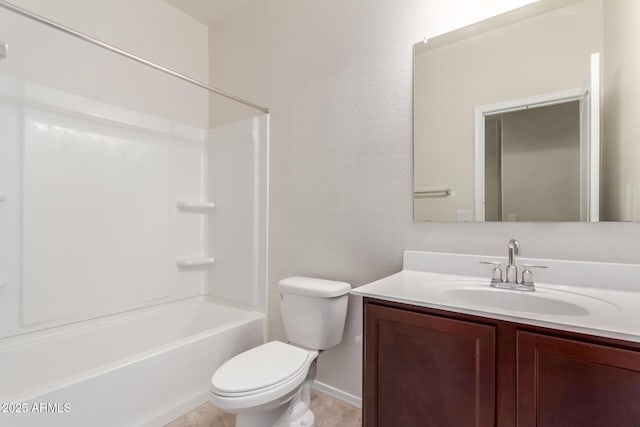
496 274
527 274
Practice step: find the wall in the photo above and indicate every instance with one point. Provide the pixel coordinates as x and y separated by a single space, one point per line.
507 63
541 163
337 77
149 28
621 63
89 225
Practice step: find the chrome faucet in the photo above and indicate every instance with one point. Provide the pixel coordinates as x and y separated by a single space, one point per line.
512 270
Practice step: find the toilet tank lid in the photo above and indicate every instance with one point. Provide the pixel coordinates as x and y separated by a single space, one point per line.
308 286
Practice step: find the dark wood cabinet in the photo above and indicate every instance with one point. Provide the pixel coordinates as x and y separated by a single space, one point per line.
427 367
565 382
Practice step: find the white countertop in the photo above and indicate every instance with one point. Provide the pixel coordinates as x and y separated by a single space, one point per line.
612 313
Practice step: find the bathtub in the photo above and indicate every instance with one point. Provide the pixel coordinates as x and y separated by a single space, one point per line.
142 368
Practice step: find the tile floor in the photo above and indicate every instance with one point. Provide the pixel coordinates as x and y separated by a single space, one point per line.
329 412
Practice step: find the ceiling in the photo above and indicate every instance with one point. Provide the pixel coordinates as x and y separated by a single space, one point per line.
209 12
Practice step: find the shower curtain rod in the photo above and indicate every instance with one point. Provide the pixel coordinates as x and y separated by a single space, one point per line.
28 14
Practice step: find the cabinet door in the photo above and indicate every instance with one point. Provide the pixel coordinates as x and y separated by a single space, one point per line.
563 383
423 370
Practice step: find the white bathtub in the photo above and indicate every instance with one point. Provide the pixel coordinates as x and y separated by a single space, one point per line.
132 369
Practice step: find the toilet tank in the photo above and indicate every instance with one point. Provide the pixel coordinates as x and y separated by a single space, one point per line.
313 311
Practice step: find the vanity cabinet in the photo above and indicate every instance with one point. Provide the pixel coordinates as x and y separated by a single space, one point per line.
424 367
427 367
565 382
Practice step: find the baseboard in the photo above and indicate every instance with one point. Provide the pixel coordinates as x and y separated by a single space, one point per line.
338 394
197 400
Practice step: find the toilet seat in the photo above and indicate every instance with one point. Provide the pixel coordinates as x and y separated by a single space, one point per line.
271 366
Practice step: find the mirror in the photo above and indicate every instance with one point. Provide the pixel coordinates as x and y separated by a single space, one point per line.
531 116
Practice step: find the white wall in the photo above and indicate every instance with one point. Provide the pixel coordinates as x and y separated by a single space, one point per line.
152 29
337 77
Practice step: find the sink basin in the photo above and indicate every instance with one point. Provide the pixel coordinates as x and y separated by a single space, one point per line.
518 301
543 301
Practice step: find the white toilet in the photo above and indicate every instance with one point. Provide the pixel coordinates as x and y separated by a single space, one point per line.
270 385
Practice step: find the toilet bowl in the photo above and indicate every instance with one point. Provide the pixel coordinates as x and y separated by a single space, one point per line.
257 384
270 385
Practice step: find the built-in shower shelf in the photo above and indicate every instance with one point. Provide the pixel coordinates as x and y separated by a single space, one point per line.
195 262
195 206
